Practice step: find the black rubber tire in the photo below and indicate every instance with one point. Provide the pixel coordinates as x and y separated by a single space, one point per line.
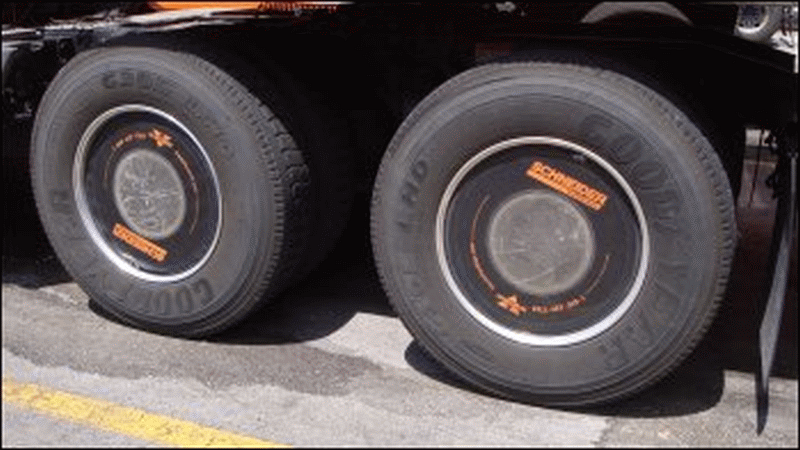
767 18
321 134
261 193
672 172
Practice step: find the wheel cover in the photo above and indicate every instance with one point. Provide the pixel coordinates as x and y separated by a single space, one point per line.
147 193
557 245
752 17
540 242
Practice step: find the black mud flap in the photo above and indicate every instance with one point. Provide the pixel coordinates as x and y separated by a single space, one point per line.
783 233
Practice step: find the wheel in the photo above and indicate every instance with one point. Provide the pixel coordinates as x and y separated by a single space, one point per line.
171 193
552 233
758 23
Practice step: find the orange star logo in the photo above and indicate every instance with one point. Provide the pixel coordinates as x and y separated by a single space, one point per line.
160 138
511 303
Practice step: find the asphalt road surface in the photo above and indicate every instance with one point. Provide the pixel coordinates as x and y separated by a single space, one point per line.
330 364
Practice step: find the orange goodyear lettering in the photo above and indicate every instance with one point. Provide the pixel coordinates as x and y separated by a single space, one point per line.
567 185
143 245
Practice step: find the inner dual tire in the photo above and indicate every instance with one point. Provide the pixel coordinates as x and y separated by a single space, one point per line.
551 232
171 192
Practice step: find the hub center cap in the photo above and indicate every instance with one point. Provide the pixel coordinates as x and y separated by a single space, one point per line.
148 194
540 242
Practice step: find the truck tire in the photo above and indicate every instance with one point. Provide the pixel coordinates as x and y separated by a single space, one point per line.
172 195
552 233
757 23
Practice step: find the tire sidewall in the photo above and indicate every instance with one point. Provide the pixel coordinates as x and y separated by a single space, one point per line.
592 109
99 80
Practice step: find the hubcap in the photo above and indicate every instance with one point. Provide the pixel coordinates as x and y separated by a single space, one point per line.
542 241
147 193
752 17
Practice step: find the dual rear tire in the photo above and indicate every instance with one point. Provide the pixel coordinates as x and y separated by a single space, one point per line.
173 192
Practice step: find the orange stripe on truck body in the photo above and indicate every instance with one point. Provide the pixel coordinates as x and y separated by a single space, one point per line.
259 6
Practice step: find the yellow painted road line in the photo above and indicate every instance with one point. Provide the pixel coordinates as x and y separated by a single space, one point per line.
122 419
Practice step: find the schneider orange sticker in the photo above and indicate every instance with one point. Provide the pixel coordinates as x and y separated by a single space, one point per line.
567 185
148 248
